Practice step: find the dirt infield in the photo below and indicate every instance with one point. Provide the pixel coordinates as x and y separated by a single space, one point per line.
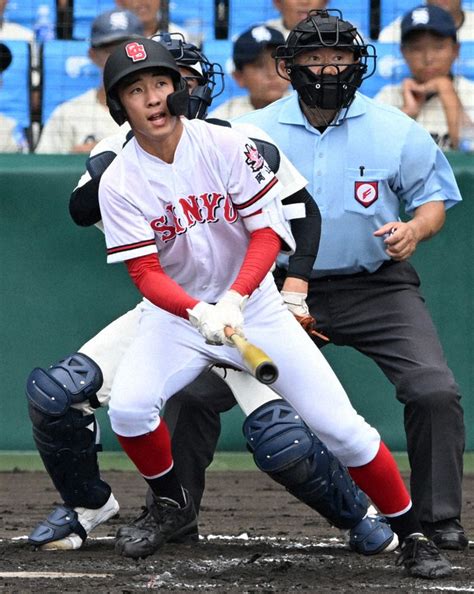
254 538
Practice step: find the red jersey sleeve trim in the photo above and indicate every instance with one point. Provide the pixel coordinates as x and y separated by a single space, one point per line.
257 196
130 246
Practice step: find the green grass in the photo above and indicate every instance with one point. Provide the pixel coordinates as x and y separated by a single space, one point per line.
23 461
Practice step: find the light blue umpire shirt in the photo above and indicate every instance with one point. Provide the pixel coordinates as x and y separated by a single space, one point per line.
360 174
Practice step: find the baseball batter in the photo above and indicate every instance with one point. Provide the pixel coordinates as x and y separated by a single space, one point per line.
313 475
199 248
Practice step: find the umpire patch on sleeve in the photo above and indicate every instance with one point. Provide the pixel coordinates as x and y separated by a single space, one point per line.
366 192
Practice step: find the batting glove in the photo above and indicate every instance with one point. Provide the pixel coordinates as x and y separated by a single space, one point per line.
296 303
210 320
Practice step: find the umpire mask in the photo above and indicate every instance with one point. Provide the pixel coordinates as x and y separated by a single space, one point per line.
328 91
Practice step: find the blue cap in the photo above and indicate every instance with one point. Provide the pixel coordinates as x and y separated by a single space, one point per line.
251 43
115 26
428 18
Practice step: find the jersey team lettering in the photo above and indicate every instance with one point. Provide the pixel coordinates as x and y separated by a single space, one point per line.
194 209
135 51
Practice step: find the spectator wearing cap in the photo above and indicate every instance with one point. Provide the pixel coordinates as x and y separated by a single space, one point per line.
13 31
9 138
77 125
463 19
440 102
255 71
292 12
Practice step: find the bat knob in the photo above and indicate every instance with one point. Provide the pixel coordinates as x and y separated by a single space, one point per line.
266 372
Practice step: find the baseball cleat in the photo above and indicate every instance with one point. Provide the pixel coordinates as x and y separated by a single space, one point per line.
161 521
373 535
77 522
421 558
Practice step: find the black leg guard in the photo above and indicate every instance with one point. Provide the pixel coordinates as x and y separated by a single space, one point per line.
286 449
65 438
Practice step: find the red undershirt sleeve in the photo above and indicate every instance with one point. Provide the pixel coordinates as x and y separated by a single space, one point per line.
154 284
261 253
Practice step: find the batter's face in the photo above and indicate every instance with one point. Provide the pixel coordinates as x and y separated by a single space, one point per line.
429 56
261 80
326 60
144 100
294 11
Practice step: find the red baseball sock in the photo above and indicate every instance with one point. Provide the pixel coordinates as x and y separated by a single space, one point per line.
151 453
380 479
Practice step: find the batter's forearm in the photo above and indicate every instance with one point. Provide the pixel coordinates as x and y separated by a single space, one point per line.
156 286
261 254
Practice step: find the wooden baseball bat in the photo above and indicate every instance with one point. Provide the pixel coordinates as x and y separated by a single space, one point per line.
257 361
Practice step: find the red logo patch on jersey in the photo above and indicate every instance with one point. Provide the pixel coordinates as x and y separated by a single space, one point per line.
135 51
253 158
366 192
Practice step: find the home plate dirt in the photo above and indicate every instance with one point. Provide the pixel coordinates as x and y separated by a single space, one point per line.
254 538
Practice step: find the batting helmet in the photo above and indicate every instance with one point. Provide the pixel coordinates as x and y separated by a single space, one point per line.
135 56
209 76
325 28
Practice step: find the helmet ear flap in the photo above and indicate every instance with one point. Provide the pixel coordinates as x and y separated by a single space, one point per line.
178 101
116 110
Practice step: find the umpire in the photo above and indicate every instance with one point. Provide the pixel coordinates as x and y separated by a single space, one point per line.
363 160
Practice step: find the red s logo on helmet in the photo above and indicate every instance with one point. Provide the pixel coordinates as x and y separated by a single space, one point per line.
135 51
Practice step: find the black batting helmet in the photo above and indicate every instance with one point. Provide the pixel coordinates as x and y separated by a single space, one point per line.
325 28
135 56
209 76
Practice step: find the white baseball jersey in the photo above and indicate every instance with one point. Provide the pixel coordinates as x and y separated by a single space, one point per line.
196 212
290 178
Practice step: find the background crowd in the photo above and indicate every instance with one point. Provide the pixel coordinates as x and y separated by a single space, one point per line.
52 100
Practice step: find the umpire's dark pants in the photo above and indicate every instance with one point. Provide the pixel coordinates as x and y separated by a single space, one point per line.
384 316
193 418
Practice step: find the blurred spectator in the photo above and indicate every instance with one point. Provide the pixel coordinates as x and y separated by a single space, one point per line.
292 12
10 30
440 102
254 70
464 20
76 126
9 142
149 12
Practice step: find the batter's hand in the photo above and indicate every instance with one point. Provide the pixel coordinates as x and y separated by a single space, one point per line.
400 240
296 303
210 320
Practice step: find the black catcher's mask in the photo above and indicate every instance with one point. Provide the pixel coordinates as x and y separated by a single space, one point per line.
325 28
209 76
